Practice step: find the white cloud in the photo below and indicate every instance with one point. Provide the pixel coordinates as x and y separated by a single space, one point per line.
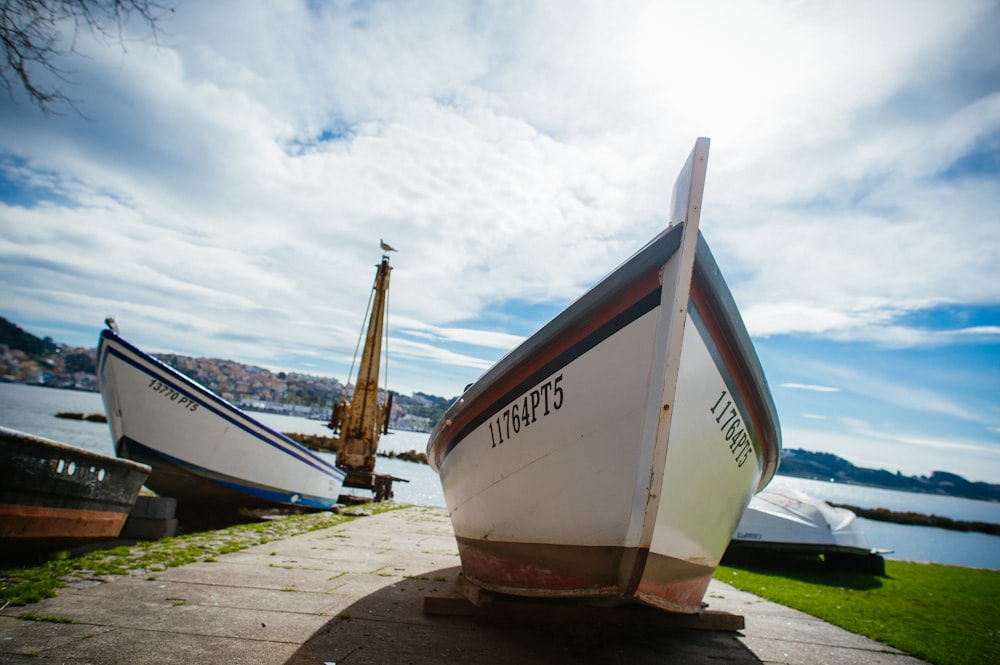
469 336
810 387
512 152
880 388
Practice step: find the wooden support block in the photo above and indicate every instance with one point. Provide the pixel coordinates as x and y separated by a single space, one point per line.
476 595
148 528
553 609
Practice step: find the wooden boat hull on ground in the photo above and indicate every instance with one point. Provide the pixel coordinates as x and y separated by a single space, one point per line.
201 448
53 495
613 453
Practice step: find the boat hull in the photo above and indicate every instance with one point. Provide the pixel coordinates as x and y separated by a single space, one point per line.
791 520
612 454
783 524
53 495
201 448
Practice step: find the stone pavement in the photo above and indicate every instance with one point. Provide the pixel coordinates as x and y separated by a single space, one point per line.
353 594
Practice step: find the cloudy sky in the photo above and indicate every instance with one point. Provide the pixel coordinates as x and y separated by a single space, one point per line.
222 189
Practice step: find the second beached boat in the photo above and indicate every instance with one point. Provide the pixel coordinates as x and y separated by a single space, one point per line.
612 454
783 522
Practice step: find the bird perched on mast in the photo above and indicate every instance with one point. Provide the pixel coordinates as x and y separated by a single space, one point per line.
385 246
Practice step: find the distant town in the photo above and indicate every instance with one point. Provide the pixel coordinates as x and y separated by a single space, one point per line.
26 358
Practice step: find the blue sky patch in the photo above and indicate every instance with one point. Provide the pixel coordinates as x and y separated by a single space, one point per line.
25 187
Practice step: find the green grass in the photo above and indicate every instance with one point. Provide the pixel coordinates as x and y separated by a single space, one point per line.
943 614
22 583
31 616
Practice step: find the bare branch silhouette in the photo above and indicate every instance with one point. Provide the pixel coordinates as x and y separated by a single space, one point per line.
33 36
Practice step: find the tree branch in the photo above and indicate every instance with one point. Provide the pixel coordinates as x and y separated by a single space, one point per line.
31 32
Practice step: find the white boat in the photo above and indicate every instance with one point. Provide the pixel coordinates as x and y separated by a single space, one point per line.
786 521
201 448
612 454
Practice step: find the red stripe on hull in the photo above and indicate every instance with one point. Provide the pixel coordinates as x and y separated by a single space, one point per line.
546 570
729 357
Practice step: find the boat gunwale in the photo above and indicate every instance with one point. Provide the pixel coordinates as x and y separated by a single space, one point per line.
710 286
68 449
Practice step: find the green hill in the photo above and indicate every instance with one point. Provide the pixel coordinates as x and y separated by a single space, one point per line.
16 338
829 467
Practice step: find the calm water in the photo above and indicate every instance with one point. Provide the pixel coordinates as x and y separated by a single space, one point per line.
32 409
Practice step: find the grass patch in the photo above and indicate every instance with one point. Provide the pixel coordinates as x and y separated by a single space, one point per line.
49 618
25 583
946 615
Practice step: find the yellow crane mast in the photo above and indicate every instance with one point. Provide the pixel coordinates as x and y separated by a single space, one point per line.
360 420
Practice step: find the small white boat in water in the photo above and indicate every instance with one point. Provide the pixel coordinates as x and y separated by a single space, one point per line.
612 454
786 521
201 448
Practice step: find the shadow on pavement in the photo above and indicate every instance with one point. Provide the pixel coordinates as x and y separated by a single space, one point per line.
390 626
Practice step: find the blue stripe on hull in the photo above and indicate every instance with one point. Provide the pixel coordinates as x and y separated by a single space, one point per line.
186 482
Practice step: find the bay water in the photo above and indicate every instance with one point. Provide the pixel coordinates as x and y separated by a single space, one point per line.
33 409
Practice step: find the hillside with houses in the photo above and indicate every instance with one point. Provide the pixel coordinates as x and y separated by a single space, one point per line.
26 358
